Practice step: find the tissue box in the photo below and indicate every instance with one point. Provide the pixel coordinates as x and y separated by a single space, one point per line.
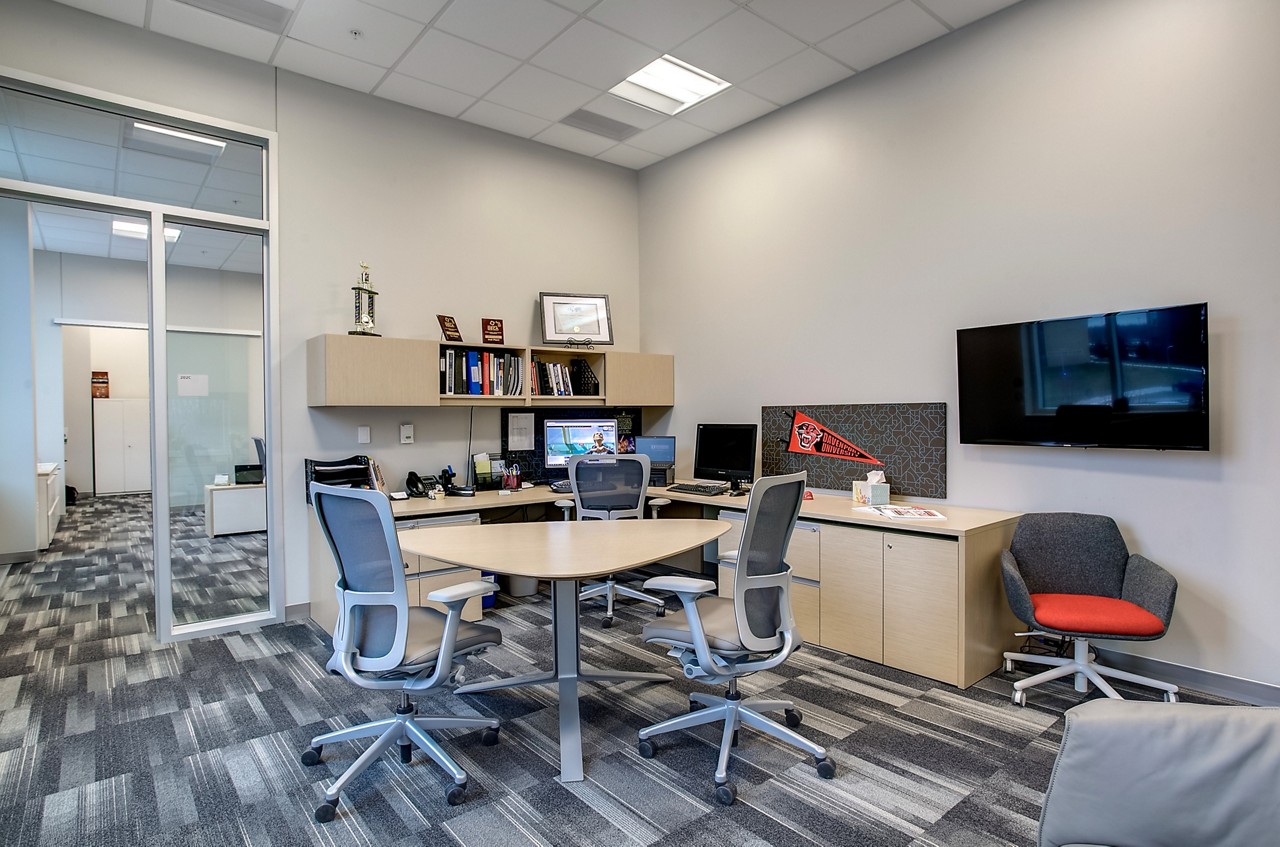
871 493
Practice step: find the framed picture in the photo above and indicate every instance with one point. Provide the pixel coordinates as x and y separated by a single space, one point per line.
580 318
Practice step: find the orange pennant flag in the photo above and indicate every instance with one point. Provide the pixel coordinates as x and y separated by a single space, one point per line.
810 437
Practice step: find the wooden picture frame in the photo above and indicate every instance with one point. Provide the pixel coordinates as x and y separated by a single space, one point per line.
575 318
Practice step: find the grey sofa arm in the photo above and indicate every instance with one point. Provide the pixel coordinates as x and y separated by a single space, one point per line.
1144 774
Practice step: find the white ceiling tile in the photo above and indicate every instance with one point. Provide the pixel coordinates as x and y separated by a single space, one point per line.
197 26
958 13
424 95
731 107
329 24
574 139
9 165
449 61
576 5
54 172
216 239
132 12
37 113
518 28
69 241
594 55
229 202
799 76
505 120
330 67
65 149
163 167
669 137
540 93
197 257
661 24
882 36
814 20
6 139
242 157
233 180
738 47
629 157
160 190
129 249
245 264
620 110
421 11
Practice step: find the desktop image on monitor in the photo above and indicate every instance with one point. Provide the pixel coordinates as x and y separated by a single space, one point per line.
725 452
661 449
563 439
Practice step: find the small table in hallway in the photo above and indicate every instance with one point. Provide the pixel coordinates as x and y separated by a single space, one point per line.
564 553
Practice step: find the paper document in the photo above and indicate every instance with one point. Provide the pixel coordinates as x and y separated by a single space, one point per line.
906 513
520 431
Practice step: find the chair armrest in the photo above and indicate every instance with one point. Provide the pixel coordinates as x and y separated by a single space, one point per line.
1015 588
680 585
462 591
1133 772
655 502
730 556
565 504
1149 586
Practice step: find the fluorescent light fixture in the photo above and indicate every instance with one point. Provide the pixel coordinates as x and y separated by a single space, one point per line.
669 85
131 229
185 136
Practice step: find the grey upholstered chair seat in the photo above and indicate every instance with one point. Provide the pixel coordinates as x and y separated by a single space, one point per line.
719 622
426 628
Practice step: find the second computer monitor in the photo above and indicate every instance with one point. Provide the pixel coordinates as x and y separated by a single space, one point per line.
725 452
563 439
661 449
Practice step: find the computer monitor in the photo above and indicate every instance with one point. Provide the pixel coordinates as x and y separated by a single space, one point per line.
725 452
563 439
661 449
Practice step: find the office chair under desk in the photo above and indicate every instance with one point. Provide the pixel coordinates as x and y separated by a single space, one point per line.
719 639
383 643
610 488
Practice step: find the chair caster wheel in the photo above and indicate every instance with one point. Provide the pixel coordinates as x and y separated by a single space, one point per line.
1019 697
489 737
326 812
662 611
406 754
794 717
311 757
725 795
607 623
826 768
1171 697
695 706
1008 665
645 748
454 795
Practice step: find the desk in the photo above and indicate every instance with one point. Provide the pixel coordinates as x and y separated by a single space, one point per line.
229 509
563 553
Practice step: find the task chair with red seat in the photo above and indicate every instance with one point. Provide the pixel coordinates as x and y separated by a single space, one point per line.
1070 576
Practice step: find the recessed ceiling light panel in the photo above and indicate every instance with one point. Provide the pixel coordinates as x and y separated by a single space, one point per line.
132 229
669 85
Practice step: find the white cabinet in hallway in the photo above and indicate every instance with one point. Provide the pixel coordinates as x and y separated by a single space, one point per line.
121 445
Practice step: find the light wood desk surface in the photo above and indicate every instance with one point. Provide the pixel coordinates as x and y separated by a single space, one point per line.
560 549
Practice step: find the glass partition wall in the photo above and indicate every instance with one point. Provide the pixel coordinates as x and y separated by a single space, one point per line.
125 191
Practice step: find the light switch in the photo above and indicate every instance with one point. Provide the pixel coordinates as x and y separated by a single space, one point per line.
406 433
362 435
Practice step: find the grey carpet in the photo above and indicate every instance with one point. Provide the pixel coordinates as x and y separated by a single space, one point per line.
107 737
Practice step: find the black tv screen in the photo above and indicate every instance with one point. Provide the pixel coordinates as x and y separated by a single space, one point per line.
1121 379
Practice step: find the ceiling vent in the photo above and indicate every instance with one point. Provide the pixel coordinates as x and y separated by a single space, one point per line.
255 13
600 125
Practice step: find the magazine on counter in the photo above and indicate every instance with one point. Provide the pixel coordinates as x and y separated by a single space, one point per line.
904 513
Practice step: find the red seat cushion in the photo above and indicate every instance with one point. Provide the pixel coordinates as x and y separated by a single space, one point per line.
1087 613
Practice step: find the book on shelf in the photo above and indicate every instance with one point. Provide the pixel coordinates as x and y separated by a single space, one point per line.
904 513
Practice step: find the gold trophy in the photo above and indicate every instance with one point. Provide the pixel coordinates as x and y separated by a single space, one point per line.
363 295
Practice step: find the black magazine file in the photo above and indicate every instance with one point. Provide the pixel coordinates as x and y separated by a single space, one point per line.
355 472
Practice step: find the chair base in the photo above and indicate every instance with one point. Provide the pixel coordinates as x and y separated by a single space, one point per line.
407 729
733 711
610 589
1083 665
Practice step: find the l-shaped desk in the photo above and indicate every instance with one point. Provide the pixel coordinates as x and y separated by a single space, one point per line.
922 596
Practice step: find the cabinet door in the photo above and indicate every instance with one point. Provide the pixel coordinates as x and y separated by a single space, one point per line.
108 446
731 540
640 379
921 606
136 434
852 608
804 553
805 608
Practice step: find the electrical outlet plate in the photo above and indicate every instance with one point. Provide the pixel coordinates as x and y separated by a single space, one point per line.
406 433
362 435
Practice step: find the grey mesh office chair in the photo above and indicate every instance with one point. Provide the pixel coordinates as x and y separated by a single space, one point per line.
383 643
720 639
1071 578
260 445
608 489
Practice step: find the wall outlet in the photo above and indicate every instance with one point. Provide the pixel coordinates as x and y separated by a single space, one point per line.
362 435
406 433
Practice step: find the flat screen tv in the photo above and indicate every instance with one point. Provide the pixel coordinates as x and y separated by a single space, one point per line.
1135 379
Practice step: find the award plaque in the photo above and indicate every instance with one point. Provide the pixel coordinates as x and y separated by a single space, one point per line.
491 330
449 328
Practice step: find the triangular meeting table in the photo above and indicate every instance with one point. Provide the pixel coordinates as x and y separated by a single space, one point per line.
562 552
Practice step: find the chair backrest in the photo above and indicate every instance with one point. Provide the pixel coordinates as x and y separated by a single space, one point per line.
373 600
762 584
261 446
609 488
1070 553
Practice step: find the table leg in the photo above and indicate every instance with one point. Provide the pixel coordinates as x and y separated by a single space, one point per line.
564 625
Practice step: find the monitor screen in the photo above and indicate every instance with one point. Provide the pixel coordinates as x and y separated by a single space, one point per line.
725 452
661 449
578 438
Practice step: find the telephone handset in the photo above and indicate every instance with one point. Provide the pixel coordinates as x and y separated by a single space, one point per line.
417 486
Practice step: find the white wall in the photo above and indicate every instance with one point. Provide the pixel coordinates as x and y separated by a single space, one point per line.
1055 159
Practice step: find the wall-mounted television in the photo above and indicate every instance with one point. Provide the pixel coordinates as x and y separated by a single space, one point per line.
1136 379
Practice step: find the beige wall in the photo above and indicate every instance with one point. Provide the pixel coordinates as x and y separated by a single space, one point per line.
1053 160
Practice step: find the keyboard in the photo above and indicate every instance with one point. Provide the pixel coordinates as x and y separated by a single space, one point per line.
562 486
707 488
